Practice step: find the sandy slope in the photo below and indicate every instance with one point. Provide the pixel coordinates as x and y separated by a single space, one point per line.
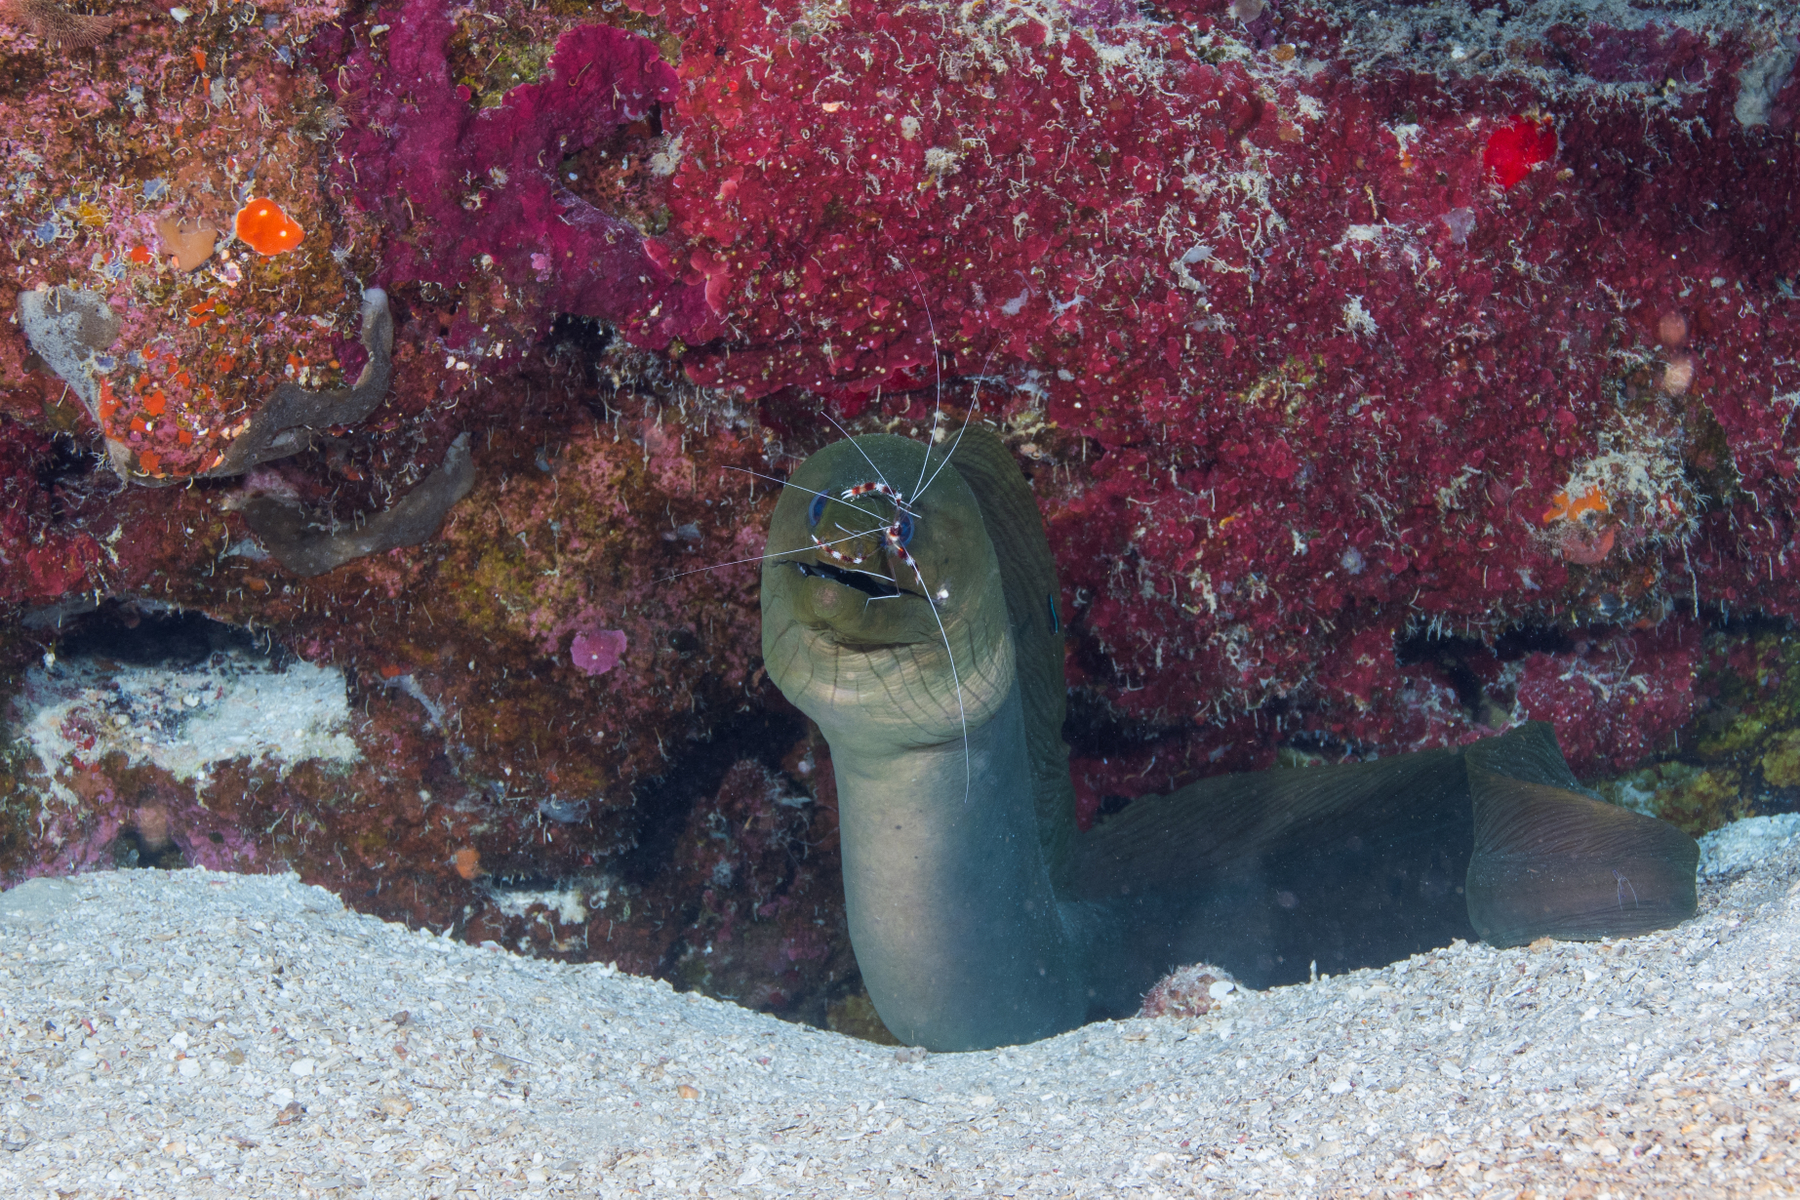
199 1034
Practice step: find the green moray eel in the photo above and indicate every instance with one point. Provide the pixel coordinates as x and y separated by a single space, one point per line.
909 609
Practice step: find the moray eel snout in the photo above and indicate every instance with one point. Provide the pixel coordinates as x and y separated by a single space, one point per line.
856 563
852 565
875 607
875 586
858 607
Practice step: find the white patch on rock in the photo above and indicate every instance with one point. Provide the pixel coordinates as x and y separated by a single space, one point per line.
1762 78
1358 320
1405 135
185 720
568 903
941 161
664 161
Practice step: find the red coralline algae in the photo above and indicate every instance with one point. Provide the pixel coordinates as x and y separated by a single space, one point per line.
1294 351
1513 150
762 858
45 554
482 201
1614 699
154 819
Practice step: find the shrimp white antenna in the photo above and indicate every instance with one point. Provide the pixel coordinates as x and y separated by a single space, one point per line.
859 449
955 678
924 484
919 490
844 500
974 406
937 368
738 562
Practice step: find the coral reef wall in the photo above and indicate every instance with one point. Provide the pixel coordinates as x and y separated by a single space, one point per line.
1385 375
1320 328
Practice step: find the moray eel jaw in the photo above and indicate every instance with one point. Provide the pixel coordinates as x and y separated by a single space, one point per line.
876 587
885 651
857 607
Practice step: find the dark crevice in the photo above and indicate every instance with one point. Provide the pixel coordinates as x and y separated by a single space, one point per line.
66 462
131 850
1516 643
1455 656
142 636
1747 623
586 338
696 773
1093 728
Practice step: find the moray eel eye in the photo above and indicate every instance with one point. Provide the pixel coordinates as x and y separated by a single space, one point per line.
816 511
905 526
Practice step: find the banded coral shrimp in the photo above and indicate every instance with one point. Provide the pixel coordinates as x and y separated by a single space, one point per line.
854 526
850 531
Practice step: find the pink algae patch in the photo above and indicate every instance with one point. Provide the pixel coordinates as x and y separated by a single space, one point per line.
597 651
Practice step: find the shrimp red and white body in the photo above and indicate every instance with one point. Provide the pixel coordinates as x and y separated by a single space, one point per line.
894 537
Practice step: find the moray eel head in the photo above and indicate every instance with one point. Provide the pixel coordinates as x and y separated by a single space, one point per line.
883 614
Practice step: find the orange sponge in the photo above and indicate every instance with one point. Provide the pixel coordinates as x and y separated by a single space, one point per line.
188 242
266 229
1564 507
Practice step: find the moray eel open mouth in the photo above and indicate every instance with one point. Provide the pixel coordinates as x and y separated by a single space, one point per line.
877 587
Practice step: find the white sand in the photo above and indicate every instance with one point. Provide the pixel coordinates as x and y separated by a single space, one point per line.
199 1034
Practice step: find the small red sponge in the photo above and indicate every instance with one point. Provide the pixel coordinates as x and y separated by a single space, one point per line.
266 229
1514 149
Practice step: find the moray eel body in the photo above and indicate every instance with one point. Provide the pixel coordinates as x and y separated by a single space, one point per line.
909 609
